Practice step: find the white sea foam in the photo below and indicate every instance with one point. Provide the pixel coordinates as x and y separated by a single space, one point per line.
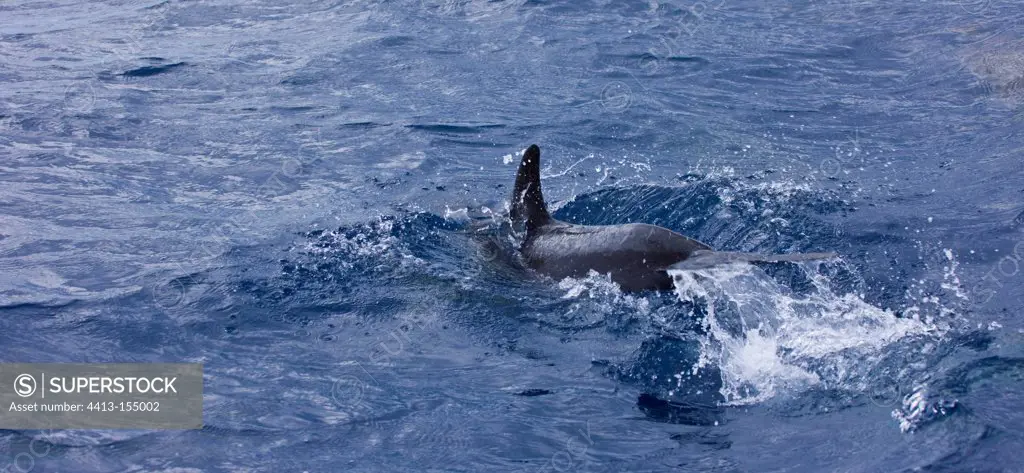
767 340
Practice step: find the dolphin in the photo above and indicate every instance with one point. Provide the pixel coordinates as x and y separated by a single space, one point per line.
638 256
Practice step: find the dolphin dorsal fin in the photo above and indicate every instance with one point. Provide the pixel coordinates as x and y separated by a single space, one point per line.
527 199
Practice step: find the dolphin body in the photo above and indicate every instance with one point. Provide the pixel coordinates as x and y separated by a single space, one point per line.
636 255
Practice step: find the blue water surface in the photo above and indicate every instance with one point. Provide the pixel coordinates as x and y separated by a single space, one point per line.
307 199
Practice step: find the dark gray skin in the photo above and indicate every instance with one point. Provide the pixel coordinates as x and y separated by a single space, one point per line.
636 255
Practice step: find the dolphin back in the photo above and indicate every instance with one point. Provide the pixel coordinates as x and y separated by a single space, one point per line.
637 256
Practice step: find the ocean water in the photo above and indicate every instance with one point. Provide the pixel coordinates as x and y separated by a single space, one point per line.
307 198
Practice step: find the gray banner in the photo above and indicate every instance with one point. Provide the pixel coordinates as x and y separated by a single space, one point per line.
101 396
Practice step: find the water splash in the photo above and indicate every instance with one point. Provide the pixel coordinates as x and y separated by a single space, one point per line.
596 299
768 340
922 407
